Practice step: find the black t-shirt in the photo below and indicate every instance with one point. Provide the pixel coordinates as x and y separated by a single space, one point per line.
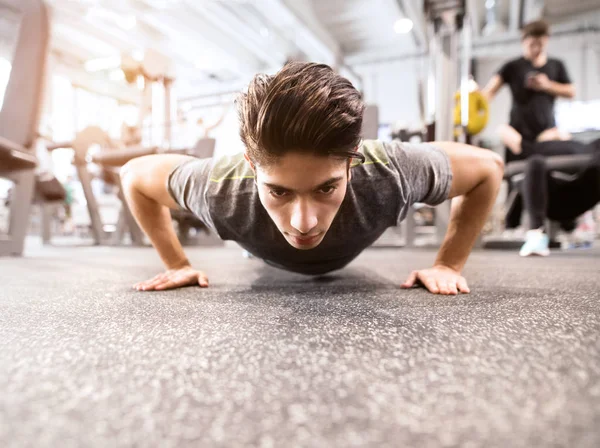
532 111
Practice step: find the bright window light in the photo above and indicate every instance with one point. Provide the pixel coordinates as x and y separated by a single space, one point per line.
96 65
403 26
116 75
5 68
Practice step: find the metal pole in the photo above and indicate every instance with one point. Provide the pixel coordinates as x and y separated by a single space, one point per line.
168 137
464 81
431 69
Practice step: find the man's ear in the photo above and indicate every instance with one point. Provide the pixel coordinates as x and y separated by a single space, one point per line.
249 161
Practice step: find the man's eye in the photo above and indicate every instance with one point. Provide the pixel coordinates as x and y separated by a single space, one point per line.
278 193
327 190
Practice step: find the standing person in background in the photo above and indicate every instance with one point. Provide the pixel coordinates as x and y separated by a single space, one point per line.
535 80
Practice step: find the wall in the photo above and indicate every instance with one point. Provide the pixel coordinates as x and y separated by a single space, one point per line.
393 86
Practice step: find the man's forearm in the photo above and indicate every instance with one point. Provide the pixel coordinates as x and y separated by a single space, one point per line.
561 90
467 218
155 220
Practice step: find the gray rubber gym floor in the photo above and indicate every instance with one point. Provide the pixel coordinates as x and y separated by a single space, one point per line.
271 359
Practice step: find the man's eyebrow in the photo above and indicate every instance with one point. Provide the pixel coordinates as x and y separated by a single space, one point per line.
327 183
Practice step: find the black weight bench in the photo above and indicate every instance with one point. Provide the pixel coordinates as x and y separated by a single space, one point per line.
559 166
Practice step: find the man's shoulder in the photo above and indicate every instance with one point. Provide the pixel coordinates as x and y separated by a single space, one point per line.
555 61
375 152
230 168
516 62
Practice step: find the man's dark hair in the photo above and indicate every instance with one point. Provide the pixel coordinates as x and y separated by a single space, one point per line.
305 107
538 28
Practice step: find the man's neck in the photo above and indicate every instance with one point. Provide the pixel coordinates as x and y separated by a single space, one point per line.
540 61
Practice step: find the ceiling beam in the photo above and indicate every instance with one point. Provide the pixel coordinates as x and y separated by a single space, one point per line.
297 18
245 36
414 11
194 36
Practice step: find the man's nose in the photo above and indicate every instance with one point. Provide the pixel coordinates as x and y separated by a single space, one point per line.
304 217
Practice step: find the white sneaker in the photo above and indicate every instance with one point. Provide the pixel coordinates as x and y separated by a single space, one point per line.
536 243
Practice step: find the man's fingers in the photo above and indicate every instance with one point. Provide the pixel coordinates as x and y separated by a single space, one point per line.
174 281
151 284
148 282
412 279
203 281
463 286
169 284
452 288
443 287
430 284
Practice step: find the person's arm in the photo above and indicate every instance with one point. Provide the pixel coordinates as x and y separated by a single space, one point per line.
543 83
477 176
561 86
144 182
491 89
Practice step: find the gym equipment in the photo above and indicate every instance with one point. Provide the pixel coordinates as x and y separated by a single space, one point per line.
49 193
560 167
478 112
110 157
19 115
446 19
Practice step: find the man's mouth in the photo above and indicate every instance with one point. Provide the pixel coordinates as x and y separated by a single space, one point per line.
305 240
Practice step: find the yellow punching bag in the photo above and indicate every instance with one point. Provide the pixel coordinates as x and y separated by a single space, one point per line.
478 112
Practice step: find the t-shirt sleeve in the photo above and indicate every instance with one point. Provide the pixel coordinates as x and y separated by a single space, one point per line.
424 170
562 76
506 72
187 185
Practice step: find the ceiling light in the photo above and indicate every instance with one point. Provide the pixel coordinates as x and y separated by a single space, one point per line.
403 26
137 55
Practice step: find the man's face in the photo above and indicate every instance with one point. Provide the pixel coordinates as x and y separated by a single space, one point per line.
534 46
302 194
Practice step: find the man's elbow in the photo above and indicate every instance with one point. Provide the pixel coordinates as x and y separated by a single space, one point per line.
128 175
572 93
495 166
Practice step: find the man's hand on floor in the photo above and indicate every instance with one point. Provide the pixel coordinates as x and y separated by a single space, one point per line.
438 280
174 278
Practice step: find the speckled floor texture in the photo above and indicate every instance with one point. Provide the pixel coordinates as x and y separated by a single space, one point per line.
270 359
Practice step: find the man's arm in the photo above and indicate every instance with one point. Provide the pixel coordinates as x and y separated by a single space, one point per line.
477 176
144 183
492 87
541 82
561 90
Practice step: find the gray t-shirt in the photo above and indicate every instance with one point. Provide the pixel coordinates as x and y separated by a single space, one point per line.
223 194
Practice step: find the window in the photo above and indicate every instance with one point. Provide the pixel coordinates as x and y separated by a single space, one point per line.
5 68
